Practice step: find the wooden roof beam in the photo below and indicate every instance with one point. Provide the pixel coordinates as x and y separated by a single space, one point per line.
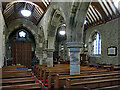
104 4
94 15
113 14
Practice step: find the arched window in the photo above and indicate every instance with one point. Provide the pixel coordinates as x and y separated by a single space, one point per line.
22 34
96 44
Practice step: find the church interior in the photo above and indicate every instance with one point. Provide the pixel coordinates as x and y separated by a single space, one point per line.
59 44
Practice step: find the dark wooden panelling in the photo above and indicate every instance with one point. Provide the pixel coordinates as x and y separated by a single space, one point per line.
22 54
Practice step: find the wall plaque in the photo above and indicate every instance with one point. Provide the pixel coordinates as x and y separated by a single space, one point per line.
112 51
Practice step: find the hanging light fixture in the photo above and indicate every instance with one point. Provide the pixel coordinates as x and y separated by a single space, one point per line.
25 12
62 29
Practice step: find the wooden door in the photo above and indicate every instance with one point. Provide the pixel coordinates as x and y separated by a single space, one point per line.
22 54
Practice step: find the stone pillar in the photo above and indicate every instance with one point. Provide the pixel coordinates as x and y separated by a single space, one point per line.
74 49
41 58
2 26
44 60
50 57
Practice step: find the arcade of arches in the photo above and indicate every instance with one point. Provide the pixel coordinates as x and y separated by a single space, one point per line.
90 29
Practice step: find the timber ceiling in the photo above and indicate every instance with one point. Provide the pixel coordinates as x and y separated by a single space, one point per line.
101 12
11 10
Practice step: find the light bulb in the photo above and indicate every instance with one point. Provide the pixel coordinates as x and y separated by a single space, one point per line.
26 13
62 32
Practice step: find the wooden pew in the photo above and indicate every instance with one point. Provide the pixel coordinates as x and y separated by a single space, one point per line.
57 66
22 86
60 79
18 79
115 87
14 68
93 83
110 67
37 67
15 81
13 74
94 65
64 70
116 68
52 75
45 70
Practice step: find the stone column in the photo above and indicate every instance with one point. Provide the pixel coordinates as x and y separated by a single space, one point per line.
74 49
50 57
2 26
44 60
41 58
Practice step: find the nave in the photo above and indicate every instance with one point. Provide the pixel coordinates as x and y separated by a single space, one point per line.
46 44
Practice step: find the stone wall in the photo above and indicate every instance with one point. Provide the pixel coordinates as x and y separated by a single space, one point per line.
109 37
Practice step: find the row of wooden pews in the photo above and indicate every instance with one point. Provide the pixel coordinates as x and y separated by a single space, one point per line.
93 81
59 75
18 77
105 66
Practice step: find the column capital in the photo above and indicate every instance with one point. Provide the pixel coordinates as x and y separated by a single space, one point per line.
75 44
50 50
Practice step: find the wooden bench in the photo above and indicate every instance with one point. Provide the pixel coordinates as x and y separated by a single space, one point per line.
14 81
116 68
18 79
115 87
93 83
14 68
57 66
37 67
22 86
60 79
13 74
63 70
45 70
52 75
110 67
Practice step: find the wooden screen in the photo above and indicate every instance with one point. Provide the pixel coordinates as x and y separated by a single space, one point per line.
22 54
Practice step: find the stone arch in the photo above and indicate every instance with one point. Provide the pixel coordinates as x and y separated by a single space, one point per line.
15 24
31 27
56 15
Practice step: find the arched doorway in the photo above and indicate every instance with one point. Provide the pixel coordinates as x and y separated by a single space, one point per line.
21 47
